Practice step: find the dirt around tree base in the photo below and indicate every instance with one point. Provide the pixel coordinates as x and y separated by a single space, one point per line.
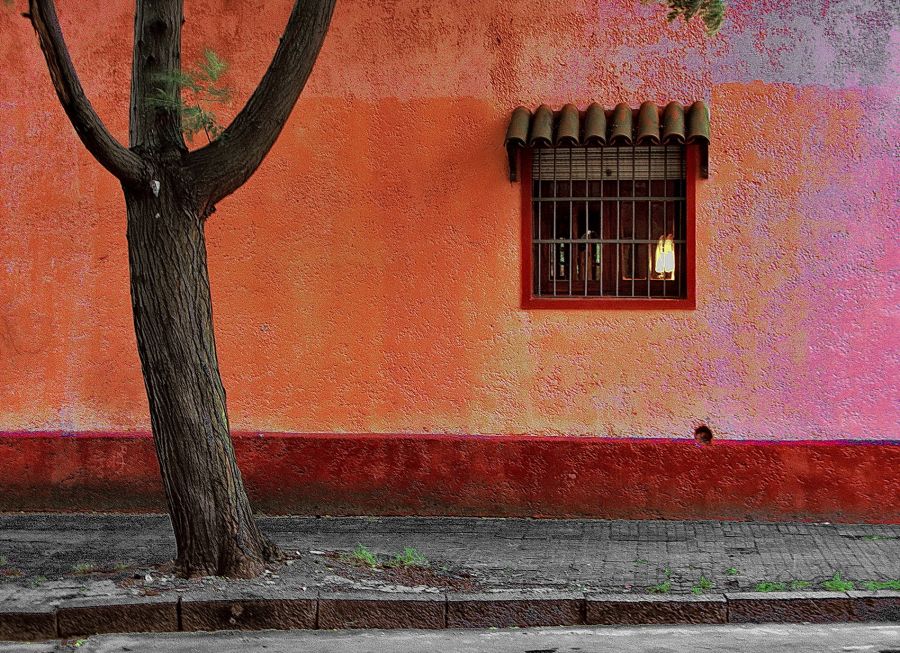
425 574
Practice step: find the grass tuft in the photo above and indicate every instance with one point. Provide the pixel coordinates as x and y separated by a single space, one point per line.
838 584
875 585
363 555
83 568
661 588
409 558
703 585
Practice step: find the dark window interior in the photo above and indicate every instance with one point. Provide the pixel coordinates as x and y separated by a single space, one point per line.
609 222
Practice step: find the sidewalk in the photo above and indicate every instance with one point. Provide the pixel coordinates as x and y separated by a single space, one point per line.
77 574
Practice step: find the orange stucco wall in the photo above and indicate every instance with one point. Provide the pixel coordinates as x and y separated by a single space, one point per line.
367 278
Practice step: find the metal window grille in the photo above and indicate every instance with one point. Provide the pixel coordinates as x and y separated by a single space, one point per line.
609 222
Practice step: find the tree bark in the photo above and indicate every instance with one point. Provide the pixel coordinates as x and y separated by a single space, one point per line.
215 532
123 163
168 194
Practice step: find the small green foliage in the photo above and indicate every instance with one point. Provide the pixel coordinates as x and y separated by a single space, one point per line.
799 585
409 558
661 588
120 566
838 584
3 560
37 581
664 587
83 568
731 571
769 586
874 585
641 561
711 12
363 555
878 538
703 585
78 643
191 92
212 66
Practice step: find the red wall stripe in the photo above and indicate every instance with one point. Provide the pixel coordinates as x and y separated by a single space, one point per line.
515 476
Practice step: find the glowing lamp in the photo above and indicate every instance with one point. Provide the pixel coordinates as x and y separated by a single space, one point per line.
664 264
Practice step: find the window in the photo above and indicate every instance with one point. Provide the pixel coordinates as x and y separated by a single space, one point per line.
607 223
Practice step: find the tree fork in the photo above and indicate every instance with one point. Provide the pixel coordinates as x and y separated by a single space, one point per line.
168 194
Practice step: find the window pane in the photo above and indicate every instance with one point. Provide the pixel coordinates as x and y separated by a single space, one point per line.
615 216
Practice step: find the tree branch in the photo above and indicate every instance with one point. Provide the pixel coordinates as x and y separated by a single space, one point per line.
156 64
112 155
221 167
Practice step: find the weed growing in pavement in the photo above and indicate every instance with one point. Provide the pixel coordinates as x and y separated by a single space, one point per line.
703 585
120 566
874 585
731 571
664 587
3 561
838 584
37 581
83 568
799 584
661 588
363 555
409 558
770 586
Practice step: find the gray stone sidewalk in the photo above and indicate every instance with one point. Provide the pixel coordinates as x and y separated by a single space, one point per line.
66 576
61 551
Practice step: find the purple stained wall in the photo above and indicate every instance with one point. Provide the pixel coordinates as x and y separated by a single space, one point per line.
396 149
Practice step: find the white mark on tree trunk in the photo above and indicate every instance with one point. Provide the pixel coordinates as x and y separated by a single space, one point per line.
154 186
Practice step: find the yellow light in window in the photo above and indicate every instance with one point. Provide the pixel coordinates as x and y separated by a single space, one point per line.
664 265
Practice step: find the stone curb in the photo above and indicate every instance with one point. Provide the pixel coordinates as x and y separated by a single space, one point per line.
520 609
92 616
635 610
286 609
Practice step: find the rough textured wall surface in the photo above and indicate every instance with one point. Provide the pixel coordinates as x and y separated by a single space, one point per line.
367 278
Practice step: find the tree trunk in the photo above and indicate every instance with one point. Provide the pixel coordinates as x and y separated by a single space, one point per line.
169 192
214 527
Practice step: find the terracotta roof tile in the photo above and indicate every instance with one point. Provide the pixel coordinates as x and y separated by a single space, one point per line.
621 125
596 126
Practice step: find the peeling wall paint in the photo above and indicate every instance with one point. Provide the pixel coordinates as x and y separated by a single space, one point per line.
367 278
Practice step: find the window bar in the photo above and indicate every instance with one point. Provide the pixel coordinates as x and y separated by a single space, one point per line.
603 183
649 244
554 259
571 227
540 217
587 245
618 218
665 203
633 235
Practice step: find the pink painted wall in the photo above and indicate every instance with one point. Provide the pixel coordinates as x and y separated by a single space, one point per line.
367 278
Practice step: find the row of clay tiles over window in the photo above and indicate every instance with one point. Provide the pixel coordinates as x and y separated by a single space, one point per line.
596 126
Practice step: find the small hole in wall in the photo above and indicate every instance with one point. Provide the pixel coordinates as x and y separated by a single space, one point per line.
703 434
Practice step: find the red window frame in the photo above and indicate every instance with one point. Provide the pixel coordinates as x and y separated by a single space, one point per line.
688 302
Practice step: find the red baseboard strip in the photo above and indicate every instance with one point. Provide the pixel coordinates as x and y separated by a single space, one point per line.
513 476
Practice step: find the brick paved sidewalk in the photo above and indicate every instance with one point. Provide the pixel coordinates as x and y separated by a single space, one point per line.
72 575
39 550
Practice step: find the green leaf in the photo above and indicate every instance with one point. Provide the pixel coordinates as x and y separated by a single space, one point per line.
711 12
212 65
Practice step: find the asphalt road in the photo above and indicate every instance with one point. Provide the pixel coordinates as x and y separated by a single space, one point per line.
838 638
